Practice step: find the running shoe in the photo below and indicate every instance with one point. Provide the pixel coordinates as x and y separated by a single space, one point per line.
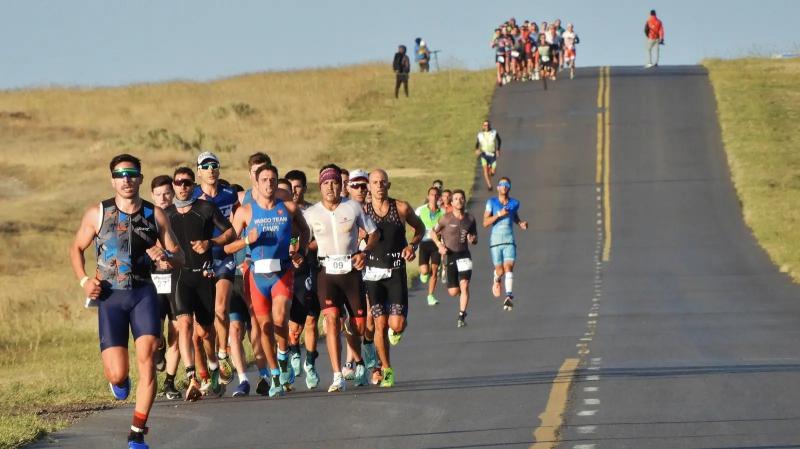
348 372
225 371
287 374
121 392
242 390
193 392
136 441
496 285
370 357
297 365
275 388
360 378
388 378
432 301
508 304
312 378
170 392
462 316
215 387
423 278
262 387
338 383
395 337
376 376
205 386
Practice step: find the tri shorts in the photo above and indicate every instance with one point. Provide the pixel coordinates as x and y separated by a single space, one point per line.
488 160
262 288
238 310
193 294
429 253
164 307
569 53
119 310
225 268
453 275
389 296
345 292
305 302
503 253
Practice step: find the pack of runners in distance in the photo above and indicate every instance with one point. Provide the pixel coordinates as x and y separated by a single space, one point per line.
530 51
219 264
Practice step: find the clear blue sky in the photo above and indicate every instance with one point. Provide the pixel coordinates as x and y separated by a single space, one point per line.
100 42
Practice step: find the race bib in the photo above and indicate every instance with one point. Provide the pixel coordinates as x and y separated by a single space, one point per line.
515 54
545 58
338 264
501 59
464 264
376 274
267 266
163 283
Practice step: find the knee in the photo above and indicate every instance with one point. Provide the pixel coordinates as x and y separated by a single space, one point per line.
116 374
279 317
398 325
235 331
202 333
453 291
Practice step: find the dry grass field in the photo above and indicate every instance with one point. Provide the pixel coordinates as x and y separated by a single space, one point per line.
55 145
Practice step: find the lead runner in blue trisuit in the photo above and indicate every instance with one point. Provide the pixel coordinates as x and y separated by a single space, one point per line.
501 213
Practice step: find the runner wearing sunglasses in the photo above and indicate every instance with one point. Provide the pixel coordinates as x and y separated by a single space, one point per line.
126 231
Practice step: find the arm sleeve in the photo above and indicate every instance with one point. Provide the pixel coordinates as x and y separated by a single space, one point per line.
499 141
489 206
473 228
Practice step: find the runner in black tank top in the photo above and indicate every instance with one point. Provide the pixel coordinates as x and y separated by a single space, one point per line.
385 274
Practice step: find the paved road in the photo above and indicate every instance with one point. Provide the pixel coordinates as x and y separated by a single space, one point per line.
686 335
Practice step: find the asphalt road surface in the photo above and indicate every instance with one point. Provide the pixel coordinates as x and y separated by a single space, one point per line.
685 337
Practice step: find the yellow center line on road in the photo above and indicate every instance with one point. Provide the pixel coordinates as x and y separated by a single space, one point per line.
547 434
600 84
607 167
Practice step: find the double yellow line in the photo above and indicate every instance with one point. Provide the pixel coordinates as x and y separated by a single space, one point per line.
603 177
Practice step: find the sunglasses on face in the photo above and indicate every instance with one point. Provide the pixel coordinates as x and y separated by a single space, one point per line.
183 182
126 173
359 186
210 166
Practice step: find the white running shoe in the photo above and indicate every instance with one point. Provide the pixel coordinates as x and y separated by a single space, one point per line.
338 383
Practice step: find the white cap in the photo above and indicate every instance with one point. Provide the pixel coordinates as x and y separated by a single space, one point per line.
358 174
205 156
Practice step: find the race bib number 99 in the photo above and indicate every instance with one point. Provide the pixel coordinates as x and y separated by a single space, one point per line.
338 265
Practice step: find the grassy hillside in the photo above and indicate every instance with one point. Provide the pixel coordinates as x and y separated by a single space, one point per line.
759 109
55 145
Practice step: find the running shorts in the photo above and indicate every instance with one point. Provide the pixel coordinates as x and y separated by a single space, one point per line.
429 253
225 268
164 307
238 307
503 253
119 310
262 288
193 294
305 302
569 53
344 292
453 275
488 160
389 296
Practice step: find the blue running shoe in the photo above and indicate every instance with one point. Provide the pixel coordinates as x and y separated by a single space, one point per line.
312 378
136 441
121 392
287 374
297 365
136 445
242 390
276 389
370 357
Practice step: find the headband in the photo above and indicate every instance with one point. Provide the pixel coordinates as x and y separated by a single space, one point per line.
329 174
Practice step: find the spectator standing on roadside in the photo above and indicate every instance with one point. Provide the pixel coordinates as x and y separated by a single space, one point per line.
654 31
401 67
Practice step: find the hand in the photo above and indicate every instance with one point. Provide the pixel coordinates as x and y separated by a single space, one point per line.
92 288
472 238
477 153
157 253
503 212
359 260
163 265
408 253
442 249
208 269
200 246
524 225
661 42
297 259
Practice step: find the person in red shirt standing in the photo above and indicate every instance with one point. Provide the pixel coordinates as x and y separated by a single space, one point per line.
654 31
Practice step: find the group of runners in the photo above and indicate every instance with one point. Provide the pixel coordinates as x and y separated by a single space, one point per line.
529 51
221 264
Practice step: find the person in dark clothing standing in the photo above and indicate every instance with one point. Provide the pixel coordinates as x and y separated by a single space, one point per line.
401 67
